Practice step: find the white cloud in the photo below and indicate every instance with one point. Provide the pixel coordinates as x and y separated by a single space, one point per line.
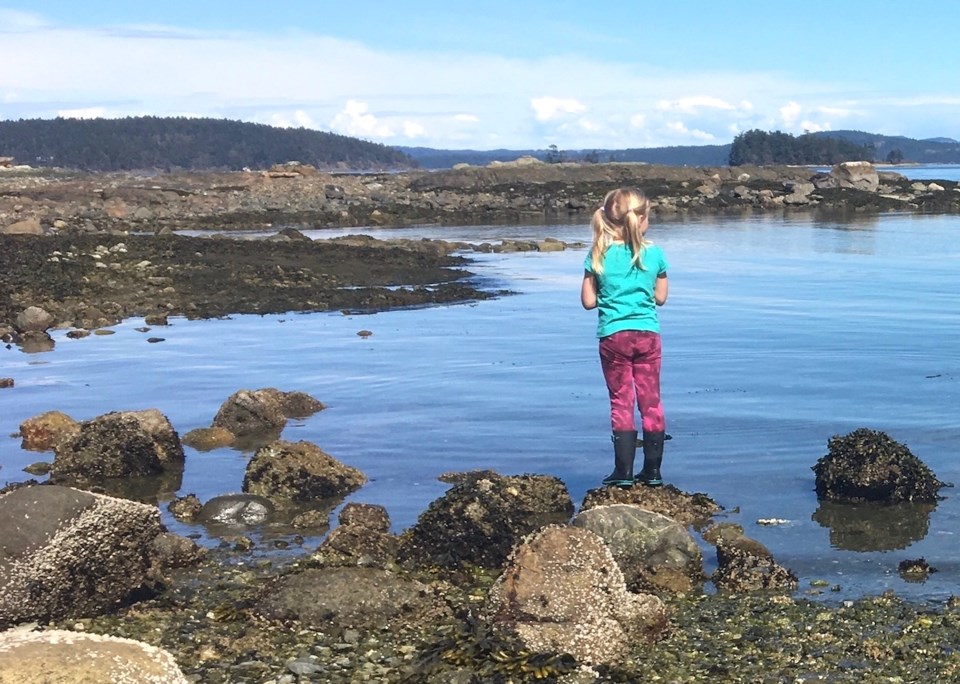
299 119
411 129
638 121
355 119
693 103
813 127
14 20
84 113
549 108
466 118
789 113
680 128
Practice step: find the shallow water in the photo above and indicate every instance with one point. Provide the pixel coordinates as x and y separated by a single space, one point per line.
779 334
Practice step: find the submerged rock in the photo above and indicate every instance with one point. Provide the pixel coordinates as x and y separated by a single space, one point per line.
867 465
236 509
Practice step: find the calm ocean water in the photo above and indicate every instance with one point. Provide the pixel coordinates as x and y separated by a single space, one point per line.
779 334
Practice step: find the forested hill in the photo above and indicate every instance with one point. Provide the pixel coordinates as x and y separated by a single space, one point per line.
896 148
167 143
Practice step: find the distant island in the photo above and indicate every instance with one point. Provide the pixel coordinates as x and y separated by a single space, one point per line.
181 143
750 147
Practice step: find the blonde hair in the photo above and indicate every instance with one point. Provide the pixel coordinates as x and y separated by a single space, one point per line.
620 218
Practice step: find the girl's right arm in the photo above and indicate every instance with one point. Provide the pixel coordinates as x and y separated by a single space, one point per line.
588 291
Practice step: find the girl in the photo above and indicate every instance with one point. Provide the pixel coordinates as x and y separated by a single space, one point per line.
625 279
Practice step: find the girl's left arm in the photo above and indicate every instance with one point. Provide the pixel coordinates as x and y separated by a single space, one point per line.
661 290
588 291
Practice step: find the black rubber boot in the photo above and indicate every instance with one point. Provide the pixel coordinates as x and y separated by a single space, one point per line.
652 458
624 453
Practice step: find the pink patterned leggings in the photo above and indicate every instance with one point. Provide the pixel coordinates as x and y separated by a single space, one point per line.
631 366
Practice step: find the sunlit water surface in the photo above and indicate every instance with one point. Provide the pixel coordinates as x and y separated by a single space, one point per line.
779 334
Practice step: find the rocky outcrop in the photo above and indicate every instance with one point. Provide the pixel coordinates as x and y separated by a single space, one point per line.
299 471
65 552
868 465
62 657
654 553
120 444
562 592
480 519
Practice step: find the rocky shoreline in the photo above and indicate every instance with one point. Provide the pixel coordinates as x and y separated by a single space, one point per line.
90 250
43 201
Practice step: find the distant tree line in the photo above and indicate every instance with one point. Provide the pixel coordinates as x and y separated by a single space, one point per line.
167 143
761 147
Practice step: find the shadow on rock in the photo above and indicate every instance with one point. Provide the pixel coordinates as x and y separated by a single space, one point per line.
874 526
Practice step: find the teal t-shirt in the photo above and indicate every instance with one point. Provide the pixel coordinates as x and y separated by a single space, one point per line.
625 292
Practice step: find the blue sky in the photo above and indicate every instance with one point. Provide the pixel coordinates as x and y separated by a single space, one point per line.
484 75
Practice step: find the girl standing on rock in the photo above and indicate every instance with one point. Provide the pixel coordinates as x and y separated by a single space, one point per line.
625 279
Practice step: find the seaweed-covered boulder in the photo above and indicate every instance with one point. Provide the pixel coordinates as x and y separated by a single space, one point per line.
868 465
299 471
56 656
746 565
65 552
562 592
687 509
249 412
44 431
654 552
116 445
350 598
479 520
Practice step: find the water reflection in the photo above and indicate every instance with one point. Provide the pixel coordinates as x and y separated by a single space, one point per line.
874 526
148 489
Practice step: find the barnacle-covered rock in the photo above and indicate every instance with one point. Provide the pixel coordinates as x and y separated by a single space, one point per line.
562 592
299 471
868 465
746 565
480 519
687 509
